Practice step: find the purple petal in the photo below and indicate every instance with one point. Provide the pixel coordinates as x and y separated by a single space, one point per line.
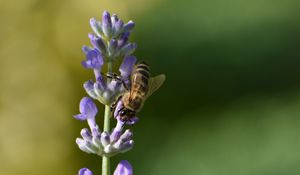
118 108
114 18
106 23
106 19
98 43
128 48
89 88
81 143
117 131
132 121
96 26
94 60
115 135
123 39
105 139
81 117
127 66
88 107
126 136
100 84
118 25
123 168
129 26
86 49
113 85
96 132
85 171
112 46
126 146
85 133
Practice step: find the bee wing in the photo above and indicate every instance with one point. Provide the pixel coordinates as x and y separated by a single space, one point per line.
155 83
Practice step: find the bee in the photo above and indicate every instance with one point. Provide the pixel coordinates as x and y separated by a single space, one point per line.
141 87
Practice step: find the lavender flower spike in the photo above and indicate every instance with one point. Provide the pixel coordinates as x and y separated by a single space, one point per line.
123 168
109 42
88 111
85 171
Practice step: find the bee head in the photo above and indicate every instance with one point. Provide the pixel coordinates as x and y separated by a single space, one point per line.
126 114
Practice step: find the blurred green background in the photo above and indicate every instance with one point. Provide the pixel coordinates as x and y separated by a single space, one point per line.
230 105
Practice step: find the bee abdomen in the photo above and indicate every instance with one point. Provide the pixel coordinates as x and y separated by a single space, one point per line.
140 79
143 65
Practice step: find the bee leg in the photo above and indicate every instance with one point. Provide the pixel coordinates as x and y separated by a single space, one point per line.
113 76
125 86
114 104
116 77
112 107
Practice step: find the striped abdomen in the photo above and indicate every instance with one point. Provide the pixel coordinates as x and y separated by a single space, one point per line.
139 86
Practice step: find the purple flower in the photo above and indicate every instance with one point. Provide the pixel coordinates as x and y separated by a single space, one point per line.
95 142
129 26
123 168
112 47
110 39
117 27
123 39
128 49
104 143
89 88
98 43
88 111
94 59
108 91
106 24
96 26
85 171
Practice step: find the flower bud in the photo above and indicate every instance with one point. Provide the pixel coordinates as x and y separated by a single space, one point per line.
128 49
89 88
86 135
118 28
98 43
127 135
106 24
129 26
96 136
94 60
105 140
85 171
84 146
86 49
126 146
112 47
114 19
123 39
124 168
96 26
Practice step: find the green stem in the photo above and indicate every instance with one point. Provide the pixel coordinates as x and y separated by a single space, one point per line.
107 115
106 127
105 165
110 66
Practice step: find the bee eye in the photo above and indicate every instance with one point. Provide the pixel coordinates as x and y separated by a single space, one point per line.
122 113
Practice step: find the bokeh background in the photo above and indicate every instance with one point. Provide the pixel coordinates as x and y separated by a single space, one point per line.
230 105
